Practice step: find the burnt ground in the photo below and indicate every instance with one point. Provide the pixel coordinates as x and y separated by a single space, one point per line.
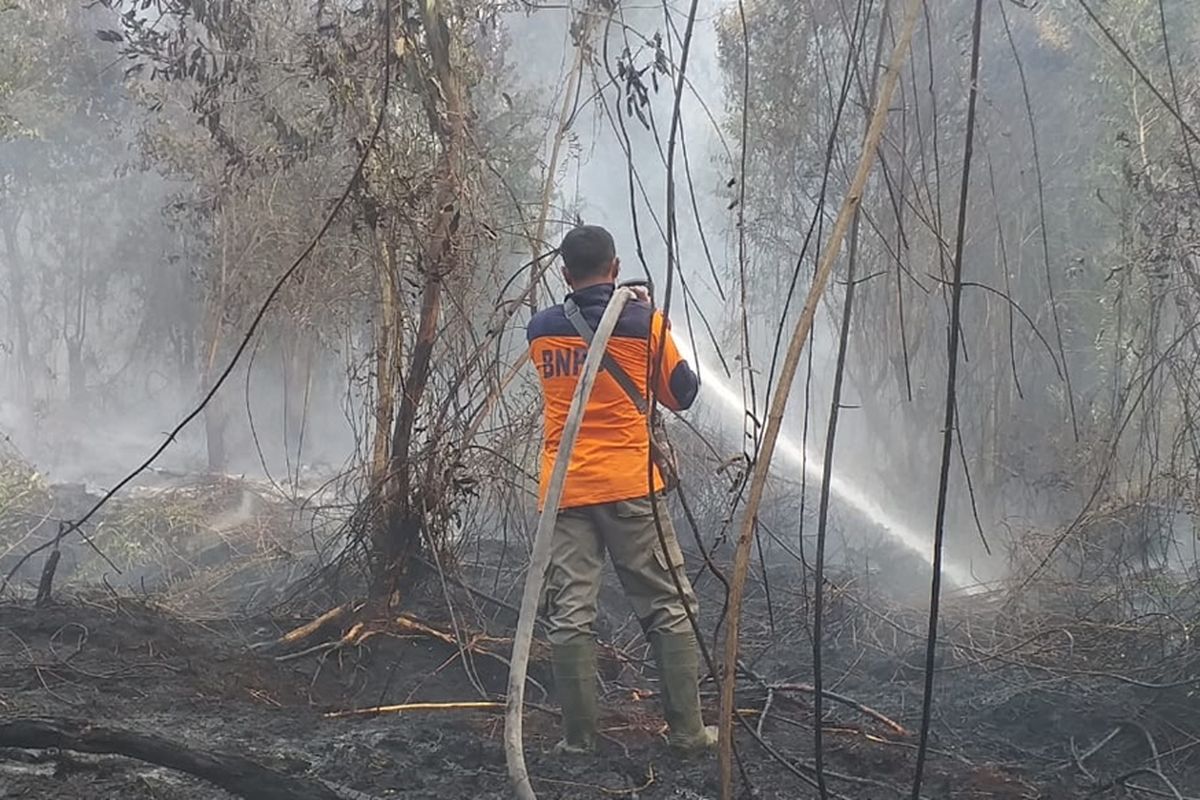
1057 693
125 663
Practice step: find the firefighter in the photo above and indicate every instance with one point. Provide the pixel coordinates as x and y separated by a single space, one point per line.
609 491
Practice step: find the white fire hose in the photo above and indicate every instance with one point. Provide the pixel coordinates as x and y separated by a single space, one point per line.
539 560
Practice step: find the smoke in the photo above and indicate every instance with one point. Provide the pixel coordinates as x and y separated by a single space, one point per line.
249 504
870 505
100 275
95 366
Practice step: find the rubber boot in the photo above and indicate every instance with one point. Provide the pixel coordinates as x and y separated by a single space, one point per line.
574 668
679 676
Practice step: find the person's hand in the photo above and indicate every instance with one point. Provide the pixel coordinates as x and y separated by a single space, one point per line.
640 293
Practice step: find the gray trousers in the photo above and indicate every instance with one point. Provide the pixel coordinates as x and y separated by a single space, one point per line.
627 530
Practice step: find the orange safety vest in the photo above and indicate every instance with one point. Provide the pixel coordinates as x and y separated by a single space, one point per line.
611 459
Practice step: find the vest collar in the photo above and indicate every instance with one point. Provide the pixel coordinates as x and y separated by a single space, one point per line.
597 294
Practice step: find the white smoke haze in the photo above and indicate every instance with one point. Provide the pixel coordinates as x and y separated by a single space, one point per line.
314 228
130 407
113 255
874 506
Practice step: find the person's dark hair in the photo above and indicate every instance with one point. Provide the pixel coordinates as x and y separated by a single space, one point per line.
587 251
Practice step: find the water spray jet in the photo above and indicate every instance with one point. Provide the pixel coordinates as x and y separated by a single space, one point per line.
842 488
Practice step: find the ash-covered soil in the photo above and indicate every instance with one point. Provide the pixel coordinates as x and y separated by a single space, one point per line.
1065 694
125 664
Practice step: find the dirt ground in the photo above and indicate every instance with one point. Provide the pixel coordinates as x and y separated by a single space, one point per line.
126 664
1082 699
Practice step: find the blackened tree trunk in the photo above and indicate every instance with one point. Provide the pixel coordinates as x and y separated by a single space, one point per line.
412 474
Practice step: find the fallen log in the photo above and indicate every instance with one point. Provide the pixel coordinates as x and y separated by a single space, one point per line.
235 774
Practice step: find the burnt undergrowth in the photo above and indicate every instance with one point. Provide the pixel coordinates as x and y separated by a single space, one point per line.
1059 687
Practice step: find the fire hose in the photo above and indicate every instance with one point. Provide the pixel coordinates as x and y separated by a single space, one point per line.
539 560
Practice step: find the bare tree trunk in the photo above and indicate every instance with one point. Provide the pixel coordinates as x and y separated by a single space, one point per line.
297 364
387 353
74 336
17 306
215 424
215 418
303 357
185 333
76 379
398 535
